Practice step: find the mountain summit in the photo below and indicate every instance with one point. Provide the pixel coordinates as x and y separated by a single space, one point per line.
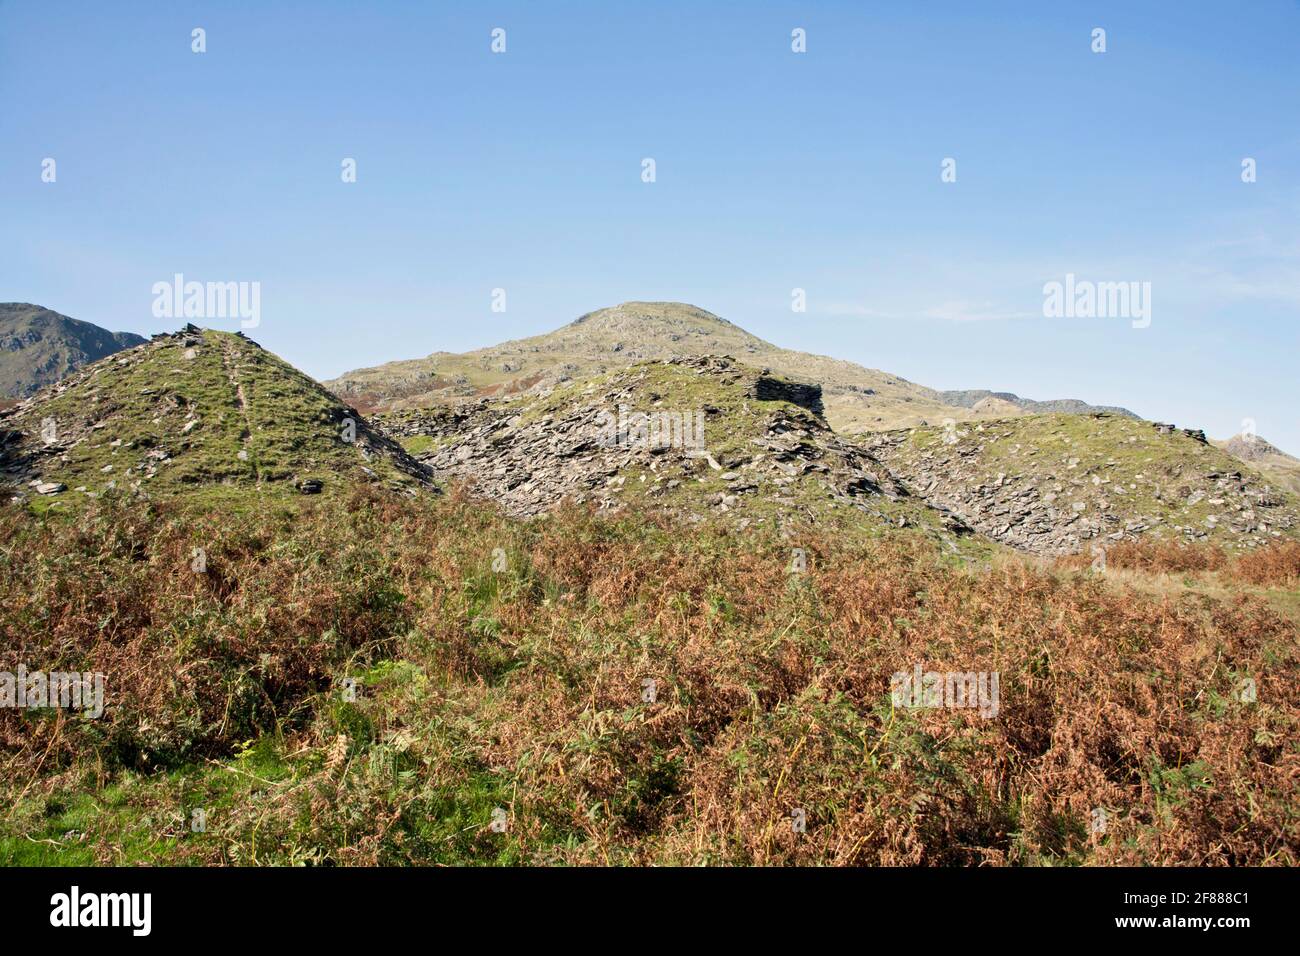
857 398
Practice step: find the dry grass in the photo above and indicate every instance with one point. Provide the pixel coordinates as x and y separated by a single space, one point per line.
522 688
1278 566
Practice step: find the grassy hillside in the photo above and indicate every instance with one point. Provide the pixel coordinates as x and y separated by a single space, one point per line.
196 414
38 347
856 398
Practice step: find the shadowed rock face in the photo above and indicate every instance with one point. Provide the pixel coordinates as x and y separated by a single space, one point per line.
768 389
38 347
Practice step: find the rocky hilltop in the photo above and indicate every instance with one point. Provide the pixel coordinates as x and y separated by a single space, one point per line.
198 413
38 347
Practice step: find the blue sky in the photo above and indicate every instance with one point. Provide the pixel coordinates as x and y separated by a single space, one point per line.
775 171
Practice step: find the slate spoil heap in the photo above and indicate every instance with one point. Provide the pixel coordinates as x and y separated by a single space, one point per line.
763 441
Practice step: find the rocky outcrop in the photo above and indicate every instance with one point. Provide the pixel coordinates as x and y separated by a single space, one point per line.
855 398
586 446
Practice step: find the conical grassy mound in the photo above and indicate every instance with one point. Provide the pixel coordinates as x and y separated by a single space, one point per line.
201 414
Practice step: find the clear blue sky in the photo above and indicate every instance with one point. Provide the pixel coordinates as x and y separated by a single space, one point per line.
775 171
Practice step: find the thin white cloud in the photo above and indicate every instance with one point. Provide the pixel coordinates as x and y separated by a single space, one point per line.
977 312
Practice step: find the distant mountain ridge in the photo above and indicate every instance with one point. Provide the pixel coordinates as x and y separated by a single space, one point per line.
971 397
39 346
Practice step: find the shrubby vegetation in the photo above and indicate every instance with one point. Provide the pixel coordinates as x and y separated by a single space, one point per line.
502 664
